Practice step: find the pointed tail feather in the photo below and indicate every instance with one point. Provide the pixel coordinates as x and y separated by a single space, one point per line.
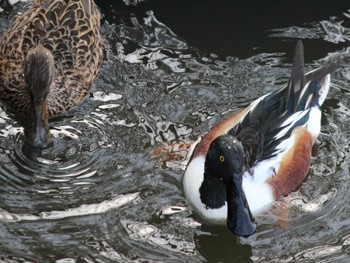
307 90
298 72
297 79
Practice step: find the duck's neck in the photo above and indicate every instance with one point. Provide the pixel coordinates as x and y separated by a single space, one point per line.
39 75
38 132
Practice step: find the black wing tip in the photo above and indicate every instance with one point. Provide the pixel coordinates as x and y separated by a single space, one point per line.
330 67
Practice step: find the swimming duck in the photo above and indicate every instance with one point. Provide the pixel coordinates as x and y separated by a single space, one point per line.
252 158
49 58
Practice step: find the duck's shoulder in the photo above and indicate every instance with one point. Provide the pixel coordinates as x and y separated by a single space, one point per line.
223 127
227 125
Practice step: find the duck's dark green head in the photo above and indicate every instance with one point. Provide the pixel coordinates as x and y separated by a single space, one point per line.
39 74
223 175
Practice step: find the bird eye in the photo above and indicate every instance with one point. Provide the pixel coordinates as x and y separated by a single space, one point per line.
222 158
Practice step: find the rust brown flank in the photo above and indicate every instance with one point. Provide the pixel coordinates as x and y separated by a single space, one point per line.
294 165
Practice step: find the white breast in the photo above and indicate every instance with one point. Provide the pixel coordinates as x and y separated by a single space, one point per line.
192 181
258 193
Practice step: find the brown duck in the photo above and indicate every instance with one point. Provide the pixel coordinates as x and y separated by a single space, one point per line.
49 58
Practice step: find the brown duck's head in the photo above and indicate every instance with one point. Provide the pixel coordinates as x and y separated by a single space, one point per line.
39 75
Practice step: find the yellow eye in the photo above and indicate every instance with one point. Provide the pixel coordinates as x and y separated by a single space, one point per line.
222 158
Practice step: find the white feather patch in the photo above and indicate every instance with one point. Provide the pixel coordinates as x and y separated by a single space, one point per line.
192 181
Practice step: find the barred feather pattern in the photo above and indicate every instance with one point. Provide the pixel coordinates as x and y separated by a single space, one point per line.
70 29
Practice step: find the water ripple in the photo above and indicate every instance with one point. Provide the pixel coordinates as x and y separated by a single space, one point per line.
143 232
88 209
331 30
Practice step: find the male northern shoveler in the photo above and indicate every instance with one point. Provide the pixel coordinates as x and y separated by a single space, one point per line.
49 59
252 158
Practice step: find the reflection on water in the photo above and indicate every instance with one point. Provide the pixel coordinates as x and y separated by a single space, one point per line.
331 30
109 189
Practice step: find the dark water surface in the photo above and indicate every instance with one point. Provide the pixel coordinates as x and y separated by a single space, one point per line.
110 188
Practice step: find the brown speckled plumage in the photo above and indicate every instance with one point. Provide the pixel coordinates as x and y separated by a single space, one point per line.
70 29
